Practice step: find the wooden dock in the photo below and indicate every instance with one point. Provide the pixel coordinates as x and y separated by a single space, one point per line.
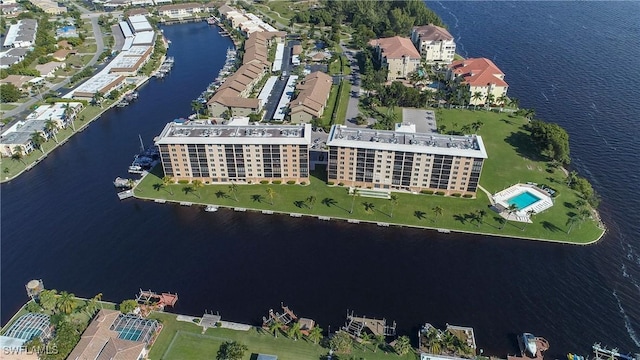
356 324
542 345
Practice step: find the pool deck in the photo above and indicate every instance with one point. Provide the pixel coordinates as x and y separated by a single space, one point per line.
500 201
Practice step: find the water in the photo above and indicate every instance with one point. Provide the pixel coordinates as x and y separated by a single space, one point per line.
523 200
62 221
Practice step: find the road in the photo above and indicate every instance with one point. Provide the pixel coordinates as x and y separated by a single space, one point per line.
97 33
354 98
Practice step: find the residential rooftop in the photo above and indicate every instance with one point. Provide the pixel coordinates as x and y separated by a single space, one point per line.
467 145
200 132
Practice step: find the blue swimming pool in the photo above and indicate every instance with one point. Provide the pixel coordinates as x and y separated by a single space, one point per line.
523 200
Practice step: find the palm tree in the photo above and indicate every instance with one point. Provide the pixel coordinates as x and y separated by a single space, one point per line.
502 100
394 202
196 185
271 193
477 96
571 221
197 107
311 200
38 139
233 188
97 98
52 128
402 346
66 302
435 348
365 339
315 334
188 189
481 215
489 100
514 102
530 214
275 327
529 114
476 126
437 210
378 340
48 299
294 331
510 211
18 154
368 206
166 181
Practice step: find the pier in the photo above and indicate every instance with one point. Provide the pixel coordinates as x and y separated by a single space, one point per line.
356 324
285 318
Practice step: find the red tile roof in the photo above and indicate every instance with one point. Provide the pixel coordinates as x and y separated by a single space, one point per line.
396 47
432 33
478 72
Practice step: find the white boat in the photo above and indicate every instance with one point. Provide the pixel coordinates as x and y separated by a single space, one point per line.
529 344
135 169
122 183
211 208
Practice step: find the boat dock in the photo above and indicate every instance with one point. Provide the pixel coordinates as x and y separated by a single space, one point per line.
165 67
355 324
226 71
125 194
603 353
285 318
542 345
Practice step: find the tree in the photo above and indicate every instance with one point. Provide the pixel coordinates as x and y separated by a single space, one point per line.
128 306
271 194
18 154
9 93
402 345
66 303
437 211
188 189
476 126
275 327
166 181
197 107
510 211
481 215
394 203
315 334
294 331
365 339
311 200
551 140
490 99
233 188
197 184
477 96
231 350
33 307
97 98
48 299
38 139
571 221
341 342
378 341
52 128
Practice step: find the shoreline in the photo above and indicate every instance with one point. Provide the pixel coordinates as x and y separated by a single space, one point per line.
358 221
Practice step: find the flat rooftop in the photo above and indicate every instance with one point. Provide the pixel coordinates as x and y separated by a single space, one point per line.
428 143
203 133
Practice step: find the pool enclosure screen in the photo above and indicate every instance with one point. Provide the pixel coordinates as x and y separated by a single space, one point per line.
29 326
134 328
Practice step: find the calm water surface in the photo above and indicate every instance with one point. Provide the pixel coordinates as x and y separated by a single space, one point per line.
62 221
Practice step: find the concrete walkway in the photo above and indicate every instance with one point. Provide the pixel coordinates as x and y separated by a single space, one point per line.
489 195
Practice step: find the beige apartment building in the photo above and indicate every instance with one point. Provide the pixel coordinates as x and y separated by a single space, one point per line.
405 160
435 44
312 98
398 55
235 152
479 75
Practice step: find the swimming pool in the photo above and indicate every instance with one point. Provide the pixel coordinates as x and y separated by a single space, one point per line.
523 200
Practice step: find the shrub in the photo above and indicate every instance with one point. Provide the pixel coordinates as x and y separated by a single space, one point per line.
183 182
441 193
456 194
277 182
330 183
303 183
428 192
291 182
467 196
340 184
263 182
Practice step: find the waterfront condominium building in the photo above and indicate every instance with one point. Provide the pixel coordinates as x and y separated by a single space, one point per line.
435 44
235 152
398 55
405 160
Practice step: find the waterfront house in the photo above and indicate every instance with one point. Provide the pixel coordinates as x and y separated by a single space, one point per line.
113 335
398 55
312 98
405 160
435 43
479 75
235 152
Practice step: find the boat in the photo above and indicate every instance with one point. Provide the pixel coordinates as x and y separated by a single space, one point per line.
528 345
122 103
211 208
122 183
135 169
211 21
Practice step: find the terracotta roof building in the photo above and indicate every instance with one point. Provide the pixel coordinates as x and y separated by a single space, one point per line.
479 75
435 43
398 55
312 98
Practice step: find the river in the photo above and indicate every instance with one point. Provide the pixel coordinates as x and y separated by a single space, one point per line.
62 221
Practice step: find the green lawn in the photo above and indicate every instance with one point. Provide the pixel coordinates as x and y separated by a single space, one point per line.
7 107
345 92
331 103
184 340
510 161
